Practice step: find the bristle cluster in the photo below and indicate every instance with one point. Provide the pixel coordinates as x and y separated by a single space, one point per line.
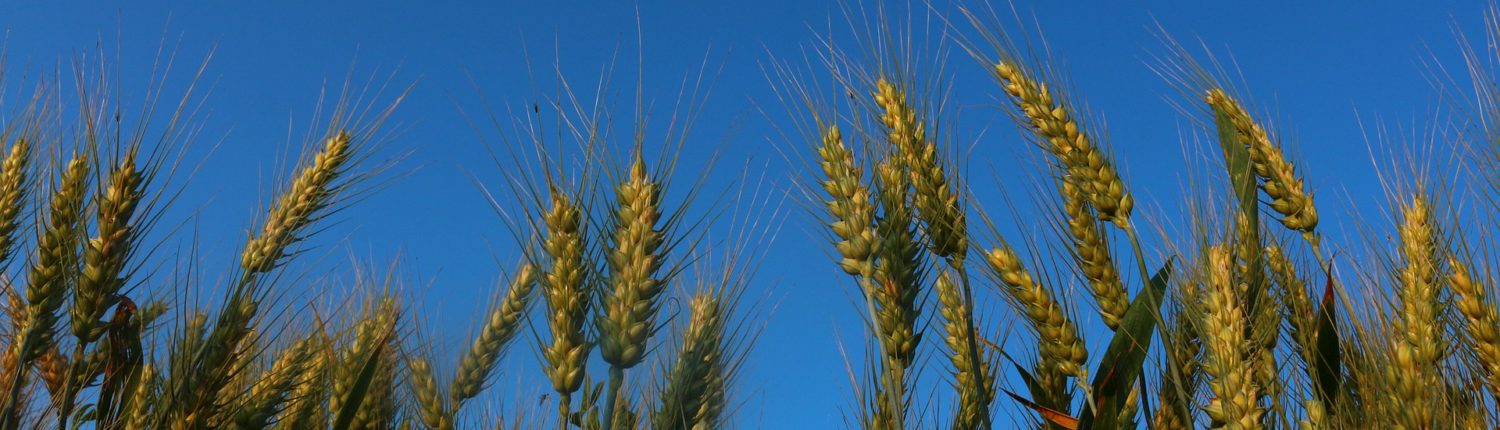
1084 163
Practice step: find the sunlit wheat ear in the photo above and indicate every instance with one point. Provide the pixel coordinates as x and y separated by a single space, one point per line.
105 255
1083 162
1234 403
1092 253
275 386
1417 344
14 171
849 204
899 265
1278 178
1263 318
432 411
936 198
565 288
313 189
504 321
635 260
974 400
693 396
57 255
1060 347
1471 297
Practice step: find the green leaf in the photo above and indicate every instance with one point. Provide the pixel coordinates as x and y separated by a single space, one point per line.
1237 162
361 388
1126 355
1327 354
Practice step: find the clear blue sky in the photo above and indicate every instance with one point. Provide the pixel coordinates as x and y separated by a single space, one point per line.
1321 67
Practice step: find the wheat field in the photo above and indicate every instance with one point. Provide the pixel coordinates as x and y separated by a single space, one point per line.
634 291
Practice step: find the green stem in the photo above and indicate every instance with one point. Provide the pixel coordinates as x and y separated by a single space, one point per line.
616 379
564 402
1161 324
69 391
979 366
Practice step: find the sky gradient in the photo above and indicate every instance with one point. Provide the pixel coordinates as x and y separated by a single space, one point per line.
1330 74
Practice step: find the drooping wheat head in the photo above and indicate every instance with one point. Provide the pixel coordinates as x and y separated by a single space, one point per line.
1061 351
1083 161
1091 252
1278 178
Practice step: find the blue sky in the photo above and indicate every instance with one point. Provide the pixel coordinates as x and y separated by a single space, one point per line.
1328 71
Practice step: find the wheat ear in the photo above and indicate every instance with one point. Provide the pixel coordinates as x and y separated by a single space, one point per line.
1092 254
567 296
1481 318
1417 344
433 413
694 395
503 323
104 256
1061 351
1054 123
974 399
46 289
1279 178
1234 404
13 183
